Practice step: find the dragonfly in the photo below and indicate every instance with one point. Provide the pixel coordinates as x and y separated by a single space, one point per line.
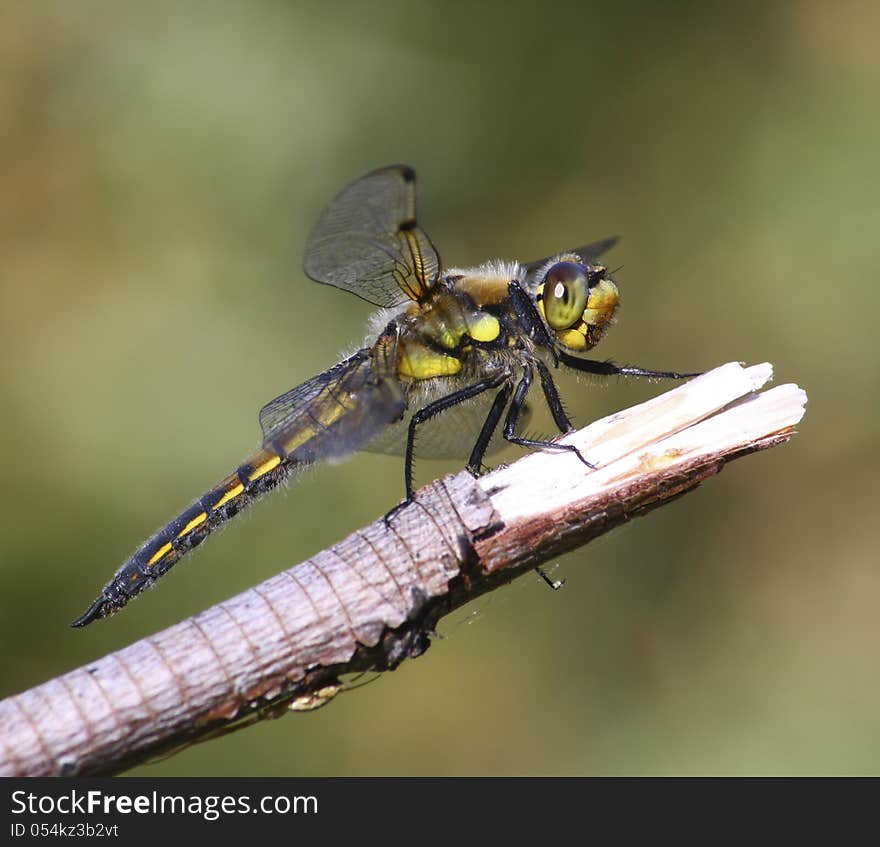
461 347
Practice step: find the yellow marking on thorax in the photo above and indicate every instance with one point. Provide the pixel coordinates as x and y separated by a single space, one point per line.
159 554
450 317
262 470
442 320
419 362
484 327
447 338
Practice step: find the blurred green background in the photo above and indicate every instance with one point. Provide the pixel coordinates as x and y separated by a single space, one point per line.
161 166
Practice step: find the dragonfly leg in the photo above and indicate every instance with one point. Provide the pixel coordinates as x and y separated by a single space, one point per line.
431 410
519 397
554 401
610 369
475 463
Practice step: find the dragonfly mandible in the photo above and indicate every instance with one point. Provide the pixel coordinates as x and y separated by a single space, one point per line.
460 343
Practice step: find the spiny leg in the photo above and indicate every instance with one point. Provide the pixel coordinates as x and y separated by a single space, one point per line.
519 397
610 369
551 394
431 410
475 463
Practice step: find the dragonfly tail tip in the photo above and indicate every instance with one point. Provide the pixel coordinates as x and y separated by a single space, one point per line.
99 609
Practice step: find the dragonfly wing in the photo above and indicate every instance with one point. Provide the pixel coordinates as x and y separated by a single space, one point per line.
367 241
338 411
450 435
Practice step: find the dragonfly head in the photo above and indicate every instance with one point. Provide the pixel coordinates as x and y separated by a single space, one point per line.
578 302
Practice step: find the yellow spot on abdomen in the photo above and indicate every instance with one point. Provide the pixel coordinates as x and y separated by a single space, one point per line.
229 495
305 434
159 554
198 519
262 470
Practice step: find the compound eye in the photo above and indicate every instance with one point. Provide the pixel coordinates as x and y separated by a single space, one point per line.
564 294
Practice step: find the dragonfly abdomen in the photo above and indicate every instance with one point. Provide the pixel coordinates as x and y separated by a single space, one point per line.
258 474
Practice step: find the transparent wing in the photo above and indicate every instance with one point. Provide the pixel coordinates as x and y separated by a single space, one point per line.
367 241
338 411
587 252
450 435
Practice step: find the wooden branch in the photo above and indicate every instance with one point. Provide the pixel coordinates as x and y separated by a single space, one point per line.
372 600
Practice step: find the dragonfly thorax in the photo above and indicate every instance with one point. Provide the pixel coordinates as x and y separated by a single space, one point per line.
439 336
